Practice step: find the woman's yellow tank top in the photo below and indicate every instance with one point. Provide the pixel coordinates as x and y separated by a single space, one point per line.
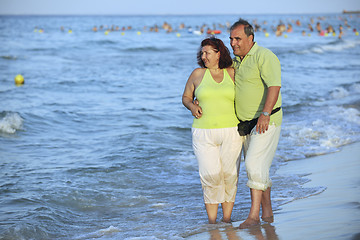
217 102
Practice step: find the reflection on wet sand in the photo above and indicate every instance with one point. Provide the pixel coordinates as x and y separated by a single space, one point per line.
231 232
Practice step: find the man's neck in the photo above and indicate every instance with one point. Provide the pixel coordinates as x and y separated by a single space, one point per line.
242 57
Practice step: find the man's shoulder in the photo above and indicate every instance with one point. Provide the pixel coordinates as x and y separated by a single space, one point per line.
263 51
265 54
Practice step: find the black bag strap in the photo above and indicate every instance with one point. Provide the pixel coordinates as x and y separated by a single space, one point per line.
255 119
275 110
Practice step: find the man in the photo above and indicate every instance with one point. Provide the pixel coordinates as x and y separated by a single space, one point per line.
257 94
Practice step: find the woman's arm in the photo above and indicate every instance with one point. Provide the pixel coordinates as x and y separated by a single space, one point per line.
189 92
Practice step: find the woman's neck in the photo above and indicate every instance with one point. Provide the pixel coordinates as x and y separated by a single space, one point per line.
214 69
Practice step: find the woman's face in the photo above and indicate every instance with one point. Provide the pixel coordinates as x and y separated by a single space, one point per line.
210 57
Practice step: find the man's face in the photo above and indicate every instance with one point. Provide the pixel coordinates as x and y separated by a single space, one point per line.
240 43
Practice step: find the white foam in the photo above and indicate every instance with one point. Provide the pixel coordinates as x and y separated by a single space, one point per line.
109 230
320 135
11 122
100 233
348 114
335 46
159 205
339 92
317 50
143 238
356 87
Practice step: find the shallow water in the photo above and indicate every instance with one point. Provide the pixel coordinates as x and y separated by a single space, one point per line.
97 145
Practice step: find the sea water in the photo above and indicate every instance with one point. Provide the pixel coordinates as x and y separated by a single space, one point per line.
97 144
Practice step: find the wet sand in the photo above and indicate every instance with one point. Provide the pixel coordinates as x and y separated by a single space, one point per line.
332 214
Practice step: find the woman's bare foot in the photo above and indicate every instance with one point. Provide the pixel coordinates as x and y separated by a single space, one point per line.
226 220
268 219
249 223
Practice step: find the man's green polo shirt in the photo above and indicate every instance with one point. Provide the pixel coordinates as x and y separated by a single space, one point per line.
259 70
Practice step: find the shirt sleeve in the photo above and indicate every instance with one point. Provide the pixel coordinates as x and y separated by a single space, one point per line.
270 69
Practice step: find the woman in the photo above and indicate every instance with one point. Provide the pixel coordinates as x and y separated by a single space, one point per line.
216 142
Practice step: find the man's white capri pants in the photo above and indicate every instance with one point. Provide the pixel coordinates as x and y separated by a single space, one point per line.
259 151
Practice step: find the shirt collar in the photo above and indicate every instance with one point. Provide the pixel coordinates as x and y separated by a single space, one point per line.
253 49
251 52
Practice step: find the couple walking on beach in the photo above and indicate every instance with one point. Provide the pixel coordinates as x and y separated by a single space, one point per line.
237 106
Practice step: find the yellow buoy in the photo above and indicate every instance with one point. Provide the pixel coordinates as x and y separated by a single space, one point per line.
19 79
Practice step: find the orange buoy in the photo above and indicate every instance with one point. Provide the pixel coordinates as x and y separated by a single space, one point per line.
213 31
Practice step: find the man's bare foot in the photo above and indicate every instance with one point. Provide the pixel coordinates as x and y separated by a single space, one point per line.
268 219
249 223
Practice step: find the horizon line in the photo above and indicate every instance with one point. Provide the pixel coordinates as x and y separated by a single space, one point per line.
167 14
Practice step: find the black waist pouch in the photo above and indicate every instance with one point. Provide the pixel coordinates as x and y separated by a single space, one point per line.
245 127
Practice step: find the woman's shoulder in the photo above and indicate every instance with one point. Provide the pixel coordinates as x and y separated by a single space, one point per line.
199 71
197 76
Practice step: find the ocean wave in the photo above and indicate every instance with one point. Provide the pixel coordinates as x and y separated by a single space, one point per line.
347 114
147 49
106 42
344 91
292 188
42 49
102 42
25 231
110 231
335 46
179 129
10 122
316 136
9 57
339 92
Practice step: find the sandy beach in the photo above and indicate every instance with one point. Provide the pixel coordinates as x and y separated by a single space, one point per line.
332 214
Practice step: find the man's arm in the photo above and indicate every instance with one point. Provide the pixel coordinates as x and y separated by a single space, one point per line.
272 96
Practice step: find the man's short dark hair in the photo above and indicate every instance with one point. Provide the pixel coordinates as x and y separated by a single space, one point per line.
248 28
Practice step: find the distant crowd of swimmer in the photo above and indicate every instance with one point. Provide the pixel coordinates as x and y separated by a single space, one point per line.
318 26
